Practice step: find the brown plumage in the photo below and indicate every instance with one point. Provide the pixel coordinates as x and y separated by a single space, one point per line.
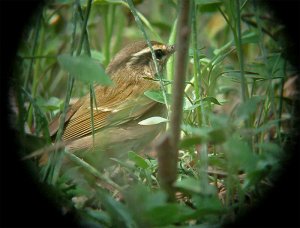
119 107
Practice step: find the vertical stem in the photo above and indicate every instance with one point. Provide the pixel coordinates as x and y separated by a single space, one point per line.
140 25
57 157
70 80
51 171
84 38
281 96
198 93
197 71
37 72
36 37
167 147
109 18
238 41
83 34
270 87
180 72
170 63
106 37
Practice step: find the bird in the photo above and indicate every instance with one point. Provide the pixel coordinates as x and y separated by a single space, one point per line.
120 107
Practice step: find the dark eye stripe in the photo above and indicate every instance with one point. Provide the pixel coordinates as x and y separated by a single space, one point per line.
146 57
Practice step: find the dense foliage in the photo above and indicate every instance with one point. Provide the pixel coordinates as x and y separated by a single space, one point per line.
238 107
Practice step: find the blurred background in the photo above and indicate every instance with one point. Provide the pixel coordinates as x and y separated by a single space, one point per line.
267 46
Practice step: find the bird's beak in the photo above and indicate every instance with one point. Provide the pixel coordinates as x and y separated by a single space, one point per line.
171 49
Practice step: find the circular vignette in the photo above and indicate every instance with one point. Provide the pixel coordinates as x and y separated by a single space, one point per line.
24 201
34 204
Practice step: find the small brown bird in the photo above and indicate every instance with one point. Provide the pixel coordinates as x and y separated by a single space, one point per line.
120 107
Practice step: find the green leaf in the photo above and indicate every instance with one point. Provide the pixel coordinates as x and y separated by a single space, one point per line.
240 156
127 165
217 136
153 120
140 199
84 69
212 100
267 126
250 37
208 5
189 107
169 214
207 205
101 217
157 96
138 160
203 131
235 75
199 51
198 135
248 107
190 184
191 141
121 215
207 2
98 56
52 104
40 117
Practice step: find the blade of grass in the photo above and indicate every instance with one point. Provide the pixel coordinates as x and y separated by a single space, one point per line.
37 69
197 71
90 169
141 16
51 171
108 19
84 39
35 43
238 43
170 63
141 27
198 94
270 88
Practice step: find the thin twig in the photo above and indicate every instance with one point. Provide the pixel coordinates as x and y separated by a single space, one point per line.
167 147
140 25
180 71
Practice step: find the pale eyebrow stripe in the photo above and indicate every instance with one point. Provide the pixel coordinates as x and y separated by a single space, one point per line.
145 50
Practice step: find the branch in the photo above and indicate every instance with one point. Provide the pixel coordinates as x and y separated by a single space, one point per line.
167 148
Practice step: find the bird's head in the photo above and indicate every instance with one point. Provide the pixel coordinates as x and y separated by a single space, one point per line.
136 58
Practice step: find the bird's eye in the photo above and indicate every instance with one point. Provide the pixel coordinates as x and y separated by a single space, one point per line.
159 54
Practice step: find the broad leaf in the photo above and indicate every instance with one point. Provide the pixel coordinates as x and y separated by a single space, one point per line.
138 160
157 96
118 210
212 100
249 107
190 184
169 214
84 69
153 120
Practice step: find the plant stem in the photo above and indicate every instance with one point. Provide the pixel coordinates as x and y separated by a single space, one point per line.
170 63
36 37
180 72
197 72
108 19
238 42
36 67
141 27
167 148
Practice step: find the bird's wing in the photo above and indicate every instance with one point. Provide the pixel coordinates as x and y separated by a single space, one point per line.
54 125
114 107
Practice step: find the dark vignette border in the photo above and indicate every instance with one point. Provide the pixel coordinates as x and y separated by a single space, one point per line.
24 203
